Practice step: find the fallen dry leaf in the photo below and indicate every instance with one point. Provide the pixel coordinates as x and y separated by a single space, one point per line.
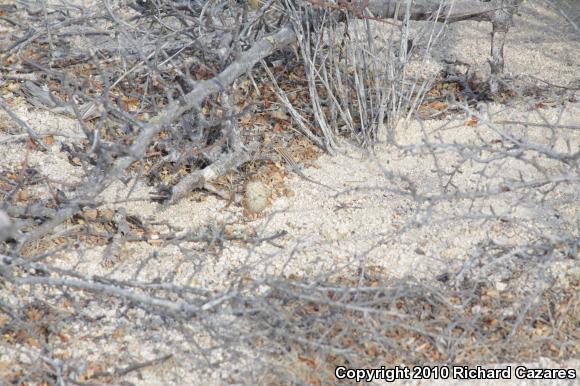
472 121
308 361
48 140
437 105
22 195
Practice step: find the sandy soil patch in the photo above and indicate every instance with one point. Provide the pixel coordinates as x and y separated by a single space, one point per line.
382 215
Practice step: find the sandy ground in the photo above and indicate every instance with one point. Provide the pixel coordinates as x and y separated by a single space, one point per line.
372 222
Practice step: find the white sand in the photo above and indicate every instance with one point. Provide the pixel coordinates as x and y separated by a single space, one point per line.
370 223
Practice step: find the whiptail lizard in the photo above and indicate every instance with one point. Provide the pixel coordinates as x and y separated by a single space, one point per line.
296 169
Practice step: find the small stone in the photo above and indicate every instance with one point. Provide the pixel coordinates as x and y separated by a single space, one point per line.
500 286
7 229
256 197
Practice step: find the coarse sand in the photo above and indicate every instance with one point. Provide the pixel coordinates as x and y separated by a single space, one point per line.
373 220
